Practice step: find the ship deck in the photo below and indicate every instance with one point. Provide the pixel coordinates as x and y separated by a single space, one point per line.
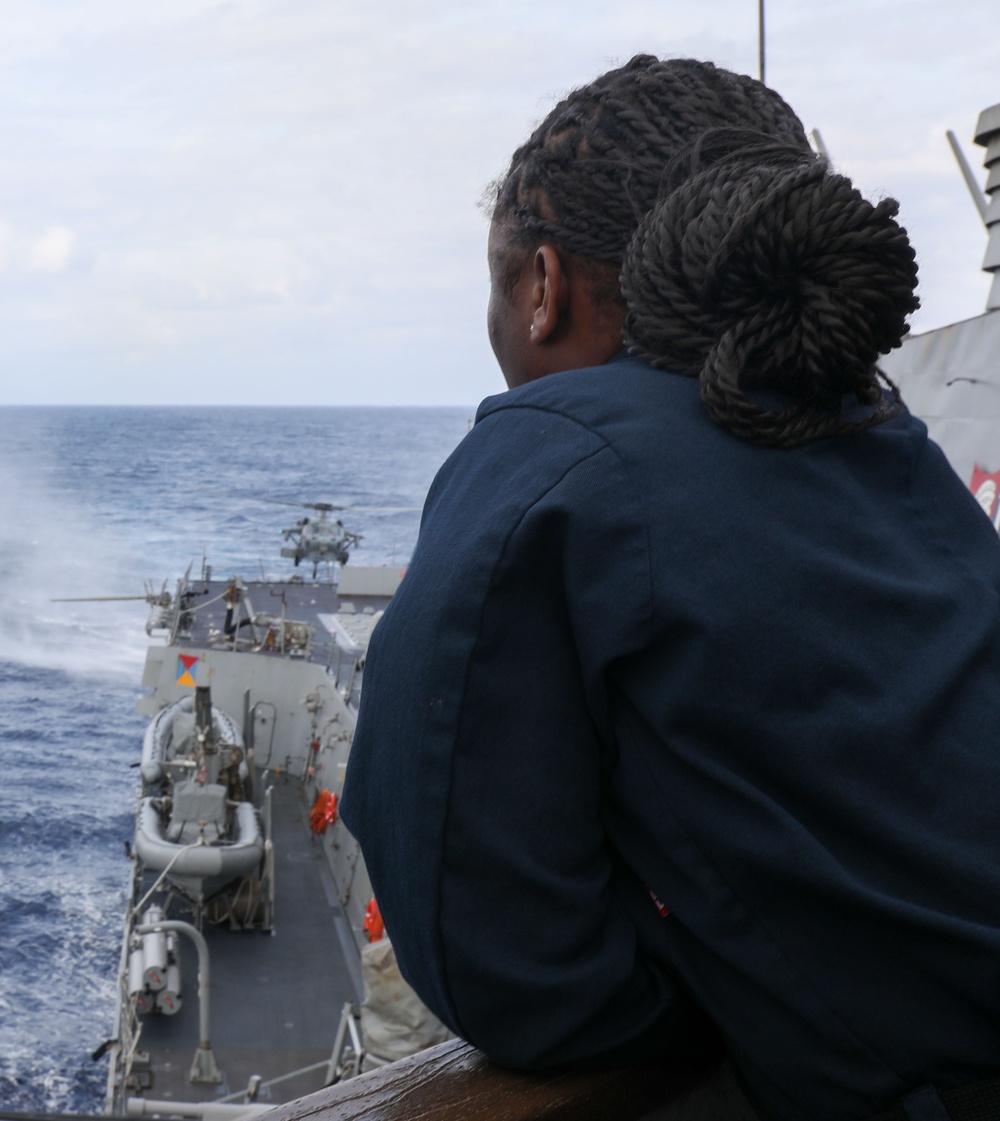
276 998
269 1015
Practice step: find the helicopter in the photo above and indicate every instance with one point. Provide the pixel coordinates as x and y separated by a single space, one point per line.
322 540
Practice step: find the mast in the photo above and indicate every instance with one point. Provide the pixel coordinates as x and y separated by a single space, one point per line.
760 40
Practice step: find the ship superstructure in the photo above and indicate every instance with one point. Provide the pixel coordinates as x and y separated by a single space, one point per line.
950 377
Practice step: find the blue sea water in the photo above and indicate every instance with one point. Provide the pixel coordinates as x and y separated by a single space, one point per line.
99 502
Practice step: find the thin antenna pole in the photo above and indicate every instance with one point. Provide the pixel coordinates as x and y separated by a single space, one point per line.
760 39
967 174
819 145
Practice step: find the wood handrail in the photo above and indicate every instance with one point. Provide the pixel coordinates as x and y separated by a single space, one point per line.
455 1082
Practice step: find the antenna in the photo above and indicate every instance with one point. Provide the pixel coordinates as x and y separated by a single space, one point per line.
760 40
970 180
819 145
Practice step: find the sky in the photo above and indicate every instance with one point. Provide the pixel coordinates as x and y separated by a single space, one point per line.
276 201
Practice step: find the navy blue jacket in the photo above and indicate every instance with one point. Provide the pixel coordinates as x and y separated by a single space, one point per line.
634 655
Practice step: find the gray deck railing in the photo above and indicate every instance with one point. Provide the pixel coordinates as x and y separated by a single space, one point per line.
454 1082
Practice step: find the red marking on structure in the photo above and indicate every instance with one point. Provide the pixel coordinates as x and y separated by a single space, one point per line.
658 903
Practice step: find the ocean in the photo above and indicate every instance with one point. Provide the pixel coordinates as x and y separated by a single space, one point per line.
108 502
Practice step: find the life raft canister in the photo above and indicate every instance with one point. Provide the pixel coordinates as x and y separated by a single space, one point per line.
323 812
374 927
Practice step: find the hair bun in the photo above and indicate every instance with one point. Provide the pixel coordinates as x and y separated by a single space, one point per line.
765 271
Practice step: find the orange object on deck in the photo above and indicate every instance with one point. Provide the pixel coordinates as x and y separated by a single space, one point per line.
324 812
374 926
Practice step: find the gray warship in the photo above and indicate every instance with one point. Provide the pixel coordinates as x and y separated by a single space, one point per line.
250 919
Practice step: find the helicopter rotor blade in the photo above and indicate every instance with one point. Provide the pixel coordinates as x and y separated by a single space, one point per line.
324 507
94 599
329 507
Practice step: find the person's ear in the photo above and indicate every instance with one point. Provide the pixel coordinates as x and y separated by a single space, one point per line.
549 293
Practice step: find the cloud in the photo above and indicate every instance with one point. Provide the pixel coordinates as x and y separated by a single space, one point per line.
6 243
264 191
52 251
214 272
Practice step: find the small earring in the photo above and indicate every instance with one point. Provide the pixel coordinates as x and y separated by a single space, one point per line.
531 331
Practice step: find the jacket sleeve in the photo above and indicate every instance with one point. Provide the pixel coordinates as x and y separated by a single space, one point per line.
477 780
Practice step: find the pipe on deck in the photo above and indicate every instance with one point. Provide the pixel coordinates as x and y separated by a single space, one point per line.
205 1111
204 1068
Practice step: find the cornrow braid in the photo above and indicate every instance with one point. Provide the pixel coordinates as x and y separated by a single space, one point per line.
592 169
744 261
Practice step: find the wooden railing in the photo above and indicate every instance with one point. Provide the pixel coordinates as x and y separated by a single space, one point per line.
454 1082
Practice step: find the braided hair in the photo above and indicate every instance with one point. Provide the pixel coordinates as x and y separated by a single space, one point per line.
740 257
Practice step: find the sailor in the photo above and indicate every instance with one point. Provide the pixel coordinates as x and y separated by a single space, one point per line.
687 705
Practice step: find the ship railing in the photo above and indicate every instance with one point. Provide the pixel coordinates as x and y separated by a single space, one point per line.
127 1026
455 1082
243 1104
126 1047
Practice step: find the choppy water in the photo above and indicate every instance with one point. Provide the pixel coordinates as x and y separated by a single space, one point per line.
97 502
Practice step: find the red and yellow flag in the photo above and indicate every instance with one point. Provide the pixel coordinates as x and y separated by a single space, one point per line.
187 671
